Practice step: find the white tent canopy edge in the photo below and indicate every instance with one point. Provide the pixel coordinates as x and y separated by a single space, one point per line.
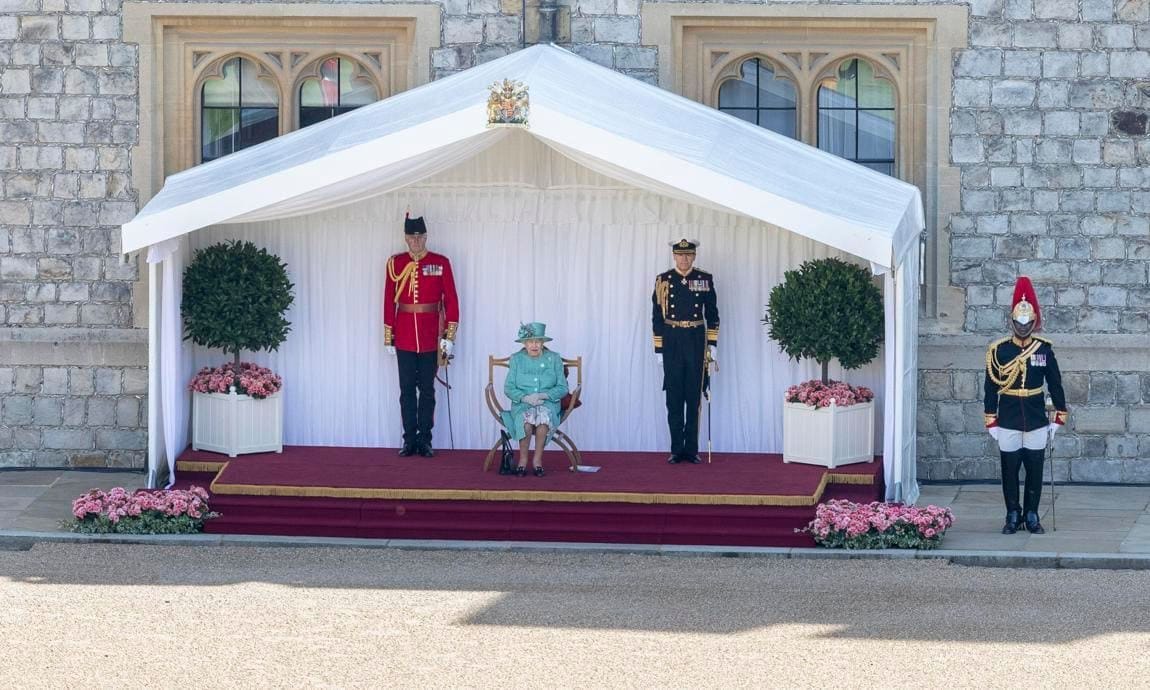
878 221
574 107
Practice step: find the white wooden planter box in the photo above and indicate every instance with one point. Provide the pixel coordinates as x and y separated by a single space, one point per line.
237 424
828 436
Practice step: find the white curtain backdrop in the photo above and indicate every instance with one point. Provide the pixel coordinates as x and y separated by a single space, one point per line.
900 471
532 236
175 360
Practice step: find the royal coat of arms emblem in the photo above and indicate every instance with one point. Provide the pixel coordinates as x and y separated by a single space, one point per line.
508 104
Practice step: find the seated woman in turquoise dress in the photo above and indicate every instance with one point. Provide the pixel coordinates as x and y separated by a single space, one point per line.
535 385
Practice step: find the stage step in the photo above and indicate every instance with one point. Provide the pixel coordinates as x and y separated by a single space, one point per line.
717 522
603 523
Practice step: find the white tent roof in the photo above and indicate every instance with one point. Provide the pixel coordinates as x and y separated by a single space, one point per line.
607 121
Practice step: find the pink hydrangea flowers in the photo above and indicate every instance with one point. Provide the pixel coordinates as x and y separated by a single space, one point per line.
877 525
161 511
818 394
249 379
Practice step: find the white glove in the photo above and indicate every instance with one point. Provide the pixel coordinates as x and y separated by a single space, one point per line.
993 431
711 353
1052 428
534 398
659 358
446 346
390 350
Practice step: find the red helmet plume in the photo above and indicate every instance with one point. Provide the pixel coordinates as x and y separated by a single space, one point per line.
1024 307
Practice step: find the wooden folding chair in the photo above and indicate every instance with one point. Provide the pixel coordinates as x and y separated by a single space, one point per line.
567 406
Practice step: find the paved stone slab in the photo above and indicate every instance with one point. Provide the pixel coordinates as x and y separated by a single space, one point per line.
22 490
38 524
30 477
1092 544
15 502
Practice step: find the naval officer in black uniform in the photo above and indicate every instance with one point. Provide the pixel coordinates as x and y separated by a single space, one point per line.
685 325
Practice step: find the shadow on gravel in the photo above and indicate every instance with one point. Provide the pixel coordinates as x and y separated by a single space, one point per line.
897 600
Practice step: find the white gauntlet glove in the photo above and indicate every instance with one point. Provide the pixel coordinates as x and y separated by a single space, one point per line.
390 350
446 346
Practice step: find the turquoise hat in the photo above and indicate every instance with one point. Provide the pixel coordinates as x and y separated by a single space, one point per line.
532 331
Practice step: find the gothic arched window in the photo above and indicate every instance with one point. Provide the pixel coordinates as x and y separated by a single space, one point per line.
238 109
340 87
857 116
761 97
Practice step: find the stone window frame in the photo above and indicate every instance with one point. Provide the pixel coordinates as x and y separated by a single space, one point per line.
375 73
214 69
806 69
284 67
733 72
168 112
696 42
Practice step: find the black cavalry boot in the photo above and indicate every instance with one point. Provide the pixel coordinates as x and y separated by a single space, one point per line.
1010 464
1032 492
407 450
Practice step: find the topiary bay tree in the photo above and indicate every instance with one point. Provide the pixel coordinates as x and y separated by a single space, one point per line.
827 309
235 297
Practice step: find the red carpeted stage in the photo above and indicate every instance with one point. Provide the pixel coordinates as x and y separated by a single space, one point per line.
738 499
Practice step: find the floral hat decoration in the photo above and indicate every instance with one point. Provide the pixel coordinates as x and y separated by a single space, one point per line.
532 331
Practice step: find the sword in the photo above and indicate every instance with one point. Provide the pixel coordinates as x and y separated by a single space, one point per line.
445 363
1050 457
708 427
707 361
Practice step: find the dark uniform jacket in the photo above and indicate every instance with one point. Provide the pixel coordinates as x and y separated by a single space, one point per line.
1014 378
684 302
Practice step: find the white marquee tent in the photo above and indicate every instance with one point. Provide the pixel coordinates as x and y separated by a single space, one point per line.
564 222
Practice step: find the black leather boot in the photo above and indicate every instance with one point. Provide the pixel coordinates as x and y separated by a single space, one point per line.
1010 464
1032 493
407 450
1032 524
1013 522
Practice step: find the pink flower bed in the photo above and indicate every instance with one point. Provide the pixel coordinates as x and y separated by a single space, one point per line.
160 511
818 394
250 379
876 525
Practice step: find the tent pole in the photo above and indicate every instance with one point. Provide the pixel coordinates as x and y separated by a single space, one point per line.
153 376
891 446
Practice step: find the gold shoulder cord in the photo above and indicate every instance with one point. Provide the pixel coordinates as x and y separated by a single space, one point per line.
662 292
1006 375
402 279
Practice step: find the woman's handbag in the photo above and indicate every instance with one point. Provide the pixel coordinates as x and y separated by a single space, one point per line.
507 456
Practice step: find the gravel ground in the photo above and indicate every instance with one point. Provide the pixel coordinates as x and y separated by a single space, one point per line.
99 616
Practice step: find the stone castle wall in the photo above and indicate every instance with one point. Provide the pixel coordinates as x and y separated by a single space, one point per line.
1048 123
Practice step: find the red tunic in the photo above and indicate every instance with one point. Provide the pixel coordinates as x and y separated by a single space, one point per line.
426 281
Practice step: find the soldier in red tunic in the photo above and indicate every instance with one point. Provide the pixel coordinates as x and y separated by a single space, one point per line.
420 317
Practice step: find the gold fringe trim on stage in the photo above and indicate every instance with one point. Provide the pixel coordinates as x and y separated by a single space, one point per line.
839 478
542 496
200 465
